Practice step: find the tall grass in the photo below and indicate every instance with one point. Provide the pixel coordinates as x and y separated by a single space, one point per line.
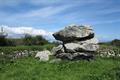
31 69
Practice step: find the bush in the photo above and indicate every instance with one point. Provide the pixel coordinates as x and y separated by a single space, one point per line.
34 40
27 40
3 41
116 42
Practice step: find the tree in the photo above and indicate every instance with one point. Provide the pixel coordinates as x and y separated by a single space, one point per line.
3 35
27 40
34 40
40 40
116 42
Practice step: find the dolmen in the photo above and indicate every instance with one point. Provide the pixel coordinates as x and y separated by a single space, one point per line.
77 42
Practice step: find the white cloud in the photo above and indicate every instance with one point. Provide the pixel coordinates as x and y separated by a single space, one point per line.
107 11
26 30
41 14
44 12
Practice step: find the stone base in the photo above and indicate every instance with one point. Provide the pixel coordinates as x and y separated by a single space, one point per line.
75 56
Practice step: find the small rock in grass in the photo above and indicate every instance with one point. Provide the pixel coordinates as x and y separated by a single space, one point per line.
43 55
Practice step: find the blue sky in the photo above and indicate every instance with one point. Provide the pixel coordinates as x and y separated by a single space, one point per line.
52 15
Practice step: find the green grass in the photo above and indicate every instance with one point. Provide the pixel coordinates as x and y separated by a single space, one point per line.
31 69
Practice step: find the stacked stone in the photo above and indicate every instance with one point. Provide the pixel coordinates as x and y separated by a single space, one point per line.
78 41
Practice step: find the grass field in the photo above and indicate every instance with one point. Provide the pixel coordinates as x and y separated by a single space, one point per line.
31 69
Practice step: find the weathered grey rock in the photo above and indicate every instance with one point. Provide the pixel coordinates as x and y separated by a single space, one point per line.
88 45
90 41
76 56
79 42
86 56
74 47
74 32
57 50
43 55
68 56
